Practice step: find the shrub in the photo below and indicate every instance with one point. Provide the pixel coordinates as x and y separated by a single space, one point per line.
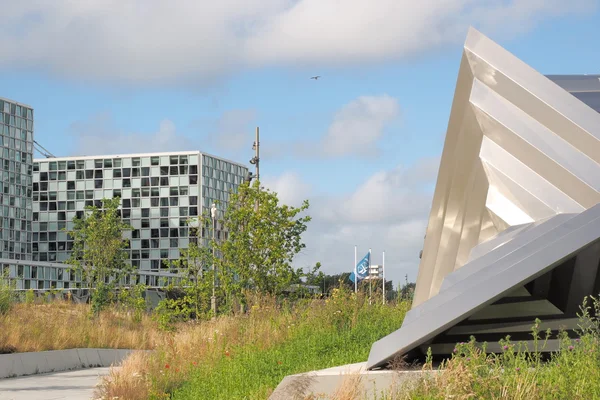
7 294
29 297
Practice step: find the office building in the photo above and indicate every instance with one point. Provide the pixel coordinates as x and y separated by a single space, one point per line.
159 194
16 158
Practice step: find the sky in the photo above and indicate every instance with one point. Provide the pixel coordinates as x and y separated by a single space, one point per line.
362 143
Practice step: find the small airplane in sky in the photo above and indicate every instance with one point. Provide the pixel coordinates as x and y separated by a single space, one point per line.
315 77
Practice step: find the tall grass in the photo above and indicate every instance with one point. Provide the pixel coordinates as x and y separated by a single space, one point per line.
571 372
245 357
63 325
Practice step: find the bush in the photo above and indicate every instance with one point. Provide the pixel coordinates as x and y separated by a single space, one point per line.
29 297
132 300
7 294
101 297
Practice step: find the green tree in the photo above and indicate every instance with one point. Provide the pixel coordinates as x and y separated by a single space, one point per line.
99 250
261 240
194 266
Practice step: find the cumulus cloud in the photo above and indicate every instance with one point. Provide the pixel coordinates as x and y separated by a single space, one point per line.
387 212
290 188
358 126
99 135
189 41
233 130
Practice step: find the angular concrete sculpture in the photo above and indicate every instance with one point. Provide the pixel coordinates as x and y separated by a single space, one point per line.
514 229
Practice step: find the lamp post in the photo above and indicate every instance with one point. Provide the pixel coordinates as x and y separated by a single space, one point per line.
213 299
255 161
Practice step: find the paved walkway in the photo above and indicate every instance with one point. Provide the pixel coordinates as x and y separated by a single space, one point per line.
71 385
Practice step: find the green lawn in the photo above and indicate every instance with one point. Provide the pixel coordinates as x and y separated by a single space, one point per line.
329 338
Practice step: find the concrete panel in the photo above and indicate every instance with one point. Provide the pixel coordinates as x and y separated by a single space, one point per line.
109 357
60 360
92 356
11 365
325 383
34 363
19 364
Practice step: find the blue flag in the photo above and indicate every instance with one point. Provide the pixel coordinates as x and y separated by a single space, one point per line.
362 268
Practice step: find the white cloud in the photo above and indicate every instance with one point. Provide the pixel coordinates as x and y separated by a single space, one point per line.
198 40
233 130
388 212
358 126
290 188
99 136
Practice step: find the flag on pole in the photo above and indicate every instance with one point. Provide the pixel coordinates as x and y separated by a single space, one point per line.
362 269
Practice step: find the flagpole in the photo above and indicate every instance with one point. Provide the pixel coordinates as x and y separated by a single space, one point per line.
383 270
355 272
370 276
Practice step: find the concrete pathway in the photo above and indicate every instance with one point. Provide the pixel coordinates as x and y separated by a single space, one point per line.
71 385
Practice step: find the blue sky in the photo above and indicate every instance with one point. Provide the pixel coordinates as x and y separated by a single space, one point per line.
361 143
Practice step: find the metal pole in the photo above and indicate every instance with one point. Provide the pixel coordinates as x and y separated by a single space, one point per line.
355 272
370 276
257 167
213 299
383 270
257 155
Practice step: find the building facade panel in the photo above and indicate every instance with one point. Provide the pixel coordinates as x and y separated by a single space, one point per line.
16 161
159 194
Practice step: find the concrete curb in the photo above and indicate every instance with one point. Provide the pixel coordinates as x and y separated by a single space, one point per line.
324 383
21 364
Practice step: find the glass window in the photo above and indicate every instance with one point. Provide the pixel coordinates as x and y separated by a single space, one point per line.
154 160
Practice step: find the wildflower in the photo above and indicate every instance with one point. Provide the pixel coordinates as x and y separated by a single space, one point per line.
176 369
227 353
468 358
455 350
577 340
505 347
518 369
194 363
279 362
167 366
571 347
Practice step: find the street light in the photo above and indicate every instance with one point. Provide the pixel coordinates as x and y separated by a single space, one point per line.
213 299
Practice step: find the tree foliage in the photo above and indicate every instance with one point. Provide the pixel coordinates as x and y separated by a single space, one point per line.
99 249
263 237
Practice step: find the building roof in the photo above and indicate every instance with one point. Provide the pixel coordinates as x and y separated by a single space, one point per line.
16 102
132 155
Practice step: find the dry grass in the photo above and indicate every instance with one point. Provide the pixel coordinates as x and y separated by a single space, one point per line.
351 388
146 376
62 325
247 356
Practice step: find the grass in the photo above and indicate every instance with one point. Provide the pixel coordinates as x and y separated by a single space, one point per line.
573 372
519 372
62 325
245 357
